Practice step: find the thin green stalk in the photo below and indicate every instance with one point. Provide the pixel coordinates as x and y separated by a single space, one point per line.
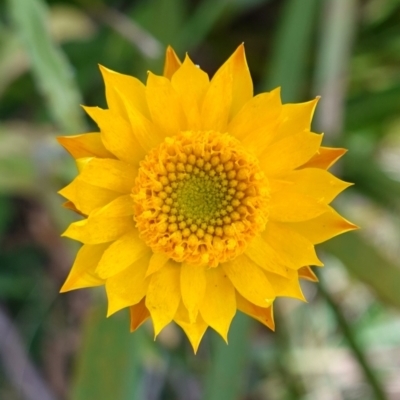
355 347
295 389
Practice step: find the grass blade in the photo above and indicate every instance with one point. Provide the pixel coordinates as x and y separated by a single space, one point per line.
52 72
287 65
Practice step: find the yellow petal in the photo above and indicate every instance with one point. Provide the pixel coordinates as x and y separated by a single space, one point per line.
242 84
165 106
120 207
317 183
157 261
291 206
193 287
87 197
219 304
191 83
164 295
81 163
172 63
99 230
144 131
265 256
261 314
256 122
286 287
117 135
307 273
194 331
217 102
86 145
134 91
83 273
277 184
104 224
289 153
296 118
121 254
139 314
325 158
294 249
109 174
249 281
323 227
129 286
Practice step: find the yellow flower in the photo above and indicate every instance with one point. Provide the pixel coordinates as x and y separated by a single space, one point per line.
198 198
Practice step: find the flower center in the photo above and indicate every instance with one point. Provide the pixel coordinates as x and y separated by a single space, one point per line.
200 197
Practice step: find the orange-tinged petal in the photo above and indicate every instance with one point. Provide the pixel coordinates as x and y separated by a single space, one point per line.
139 314
242 84
265 315
317 183
134 90
296 118
121 254
129 286
163 295
219 304
194 330
83 273
193 287
291 206
69 205
85 145
323 227
117 135
172 63
109 174
289 153
265 256
249 280
165 106
294 249
157 261
191 83
325 158
86 197
217 102
258 118
286 287
307 273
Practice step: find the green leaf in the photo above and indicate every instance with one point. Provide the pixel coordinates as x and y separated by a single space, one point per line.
109 363
53 74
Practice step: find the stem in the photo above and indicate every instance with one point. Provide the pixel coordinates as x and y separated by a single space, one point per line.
355 347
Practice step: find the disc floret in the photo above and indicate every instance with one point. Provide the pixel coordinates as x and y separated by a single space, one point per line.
200 197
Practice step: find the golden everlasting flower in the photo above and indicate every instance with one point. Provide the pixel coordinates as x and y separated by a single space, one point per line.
198 198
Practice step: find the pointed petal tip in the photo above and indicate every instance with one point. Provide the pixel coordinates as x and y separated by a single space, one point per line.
111 310
65 288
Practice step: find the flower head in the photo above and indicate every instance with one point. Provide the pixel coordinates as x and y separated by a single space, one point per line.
198 198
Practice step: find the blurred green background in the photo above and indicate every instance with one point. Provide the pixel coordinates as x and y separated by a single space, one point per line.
343 344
